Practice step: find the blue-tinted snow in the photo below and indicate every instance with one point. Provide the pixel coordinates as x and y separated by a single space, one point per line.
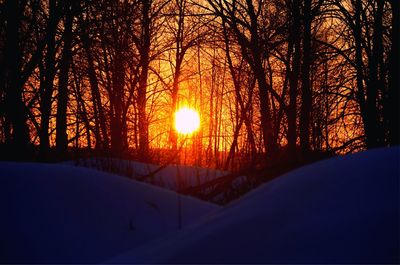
65 214
342 210
167 177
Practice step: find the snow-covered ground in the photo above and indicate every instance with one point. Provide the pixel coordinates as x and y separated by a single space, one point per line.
341 210
165 176
66 214
173 177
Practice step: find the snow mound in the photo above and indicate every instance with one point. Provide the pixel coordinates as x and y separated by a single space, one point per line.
65 214
166 177
341 210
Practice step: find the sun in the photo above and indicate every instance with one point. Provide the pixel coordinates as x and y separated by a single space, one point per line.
186 120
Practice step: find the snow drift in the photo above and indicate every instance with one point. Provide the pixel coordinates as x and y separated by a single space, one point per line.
66 214
166 177
342 210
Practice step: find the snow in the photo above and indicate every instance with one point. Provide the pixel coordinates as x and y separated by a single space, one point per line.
341 210
167 177
65 214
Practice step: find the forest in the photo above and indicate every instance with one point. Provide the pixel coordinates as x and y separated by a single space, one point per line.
199 131
275 82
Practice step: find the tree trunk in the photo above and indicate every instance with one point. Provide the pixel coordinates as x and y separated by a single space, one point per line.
266 122
374 130
175 90
359 63
306 104
99 116
47 88
394 81
15 112
294 77
180 53
62 98
270 144
142 89
118 73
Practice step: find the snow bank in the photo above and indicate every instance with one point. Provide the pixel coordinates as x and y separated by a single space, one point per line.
342 210
65 214
167 177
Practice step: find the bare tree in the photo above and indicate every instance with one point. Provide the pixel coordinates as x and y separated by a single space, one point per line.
62 97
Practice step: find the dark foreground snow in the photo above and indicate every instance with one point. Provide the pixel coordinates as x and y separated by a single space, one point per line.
342 210
66 214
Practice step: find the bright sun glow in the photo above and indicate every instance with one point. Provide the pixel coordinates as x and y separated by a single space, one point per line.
186 120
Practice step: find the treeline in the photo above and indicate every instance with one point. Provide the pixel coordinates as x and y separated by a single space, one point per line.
271 79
